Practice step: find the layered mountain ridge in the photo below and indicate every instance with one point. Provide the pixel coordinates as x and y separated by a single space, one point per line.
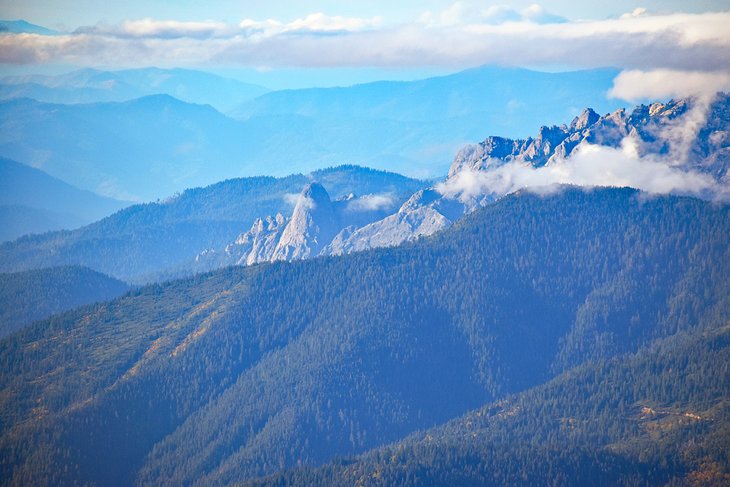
242 372
153 241
689 133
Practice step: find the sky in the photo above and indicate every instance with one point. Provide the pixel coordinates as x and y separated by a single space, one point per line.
339 42
65 14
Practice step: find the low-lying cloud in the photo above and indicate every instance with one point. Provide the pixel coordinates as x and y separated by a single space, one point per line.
456 37
371 202
588 165
635 85
299 199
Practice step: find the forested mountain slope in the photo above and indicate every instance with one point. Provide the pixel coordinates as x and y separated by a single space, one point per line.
242 372
139 242
33 295
658 417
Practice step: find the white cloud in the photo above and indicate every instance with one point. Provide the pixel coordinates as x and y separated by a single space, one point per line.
161 29
637 12
460 36
460 13
371 202
635 85
295 199
590 165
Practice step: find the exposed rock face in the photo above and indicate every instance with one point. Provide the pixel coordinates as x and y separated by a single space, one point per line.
313 224
259 243
425 213
687 132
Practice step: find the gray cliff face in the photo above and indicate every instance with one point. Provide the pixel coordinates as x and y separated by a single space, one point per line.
312 225
259 243
425 213
316 224
685 131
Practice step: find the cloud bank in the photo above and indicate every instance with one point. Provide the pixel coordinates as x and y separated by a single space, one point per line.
456 37
371 202
635 85
589 165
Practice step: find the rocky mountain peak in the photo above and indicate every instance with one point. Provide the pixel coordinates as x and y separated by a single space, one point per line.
587 118
655 126
316 193
313 225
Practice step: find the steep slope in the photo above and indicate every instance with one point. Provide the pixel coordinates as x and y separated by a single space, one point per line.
94 86
315 226
143 241
31 201
33 295
659 417
425 213
312 225
245 371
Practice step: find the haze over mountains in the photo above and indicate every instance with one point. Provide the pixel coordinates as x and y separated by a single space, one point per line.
94 86
119 149
34 202
690 154
682 144
143 242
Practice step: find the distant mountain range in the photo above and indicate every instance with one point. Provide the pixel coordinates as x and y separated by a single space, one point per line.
132 150
500 100
153 146
620 300
31 201
349 209
24 27
96 86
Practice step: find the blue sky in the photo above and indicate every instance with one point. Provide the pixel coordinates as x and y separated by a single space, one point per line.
295 43
69 14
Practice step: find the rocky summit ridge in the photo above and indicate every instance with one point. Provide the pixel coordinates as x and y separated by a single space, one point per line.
689 133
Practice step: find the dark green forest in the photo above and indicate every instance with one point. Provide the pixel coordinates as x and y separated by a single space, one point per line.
657 417
37 294
549 321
